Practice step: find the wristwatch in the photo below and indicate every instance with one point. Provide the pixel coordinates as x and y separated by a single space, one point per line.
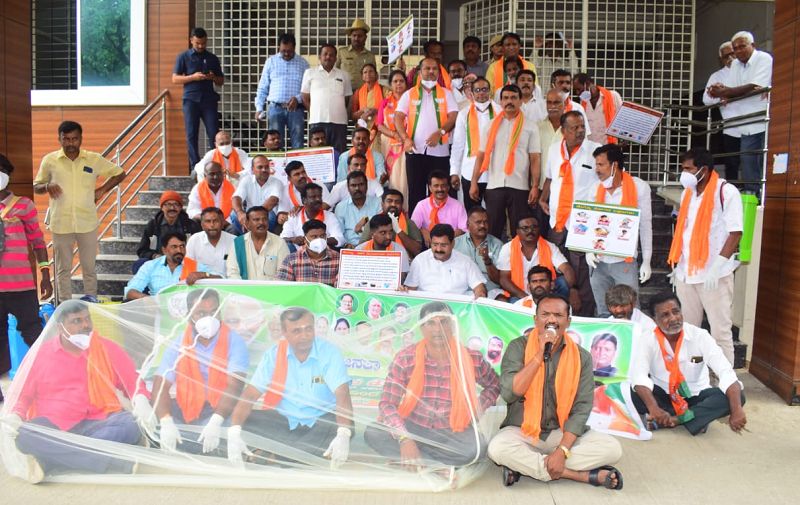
443 132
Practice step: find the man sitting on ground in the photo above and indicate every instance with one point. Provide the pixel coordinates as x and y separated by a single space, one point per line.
313 208
162 272
234 161
213 191
376 166
540 283
313 262
483 249
382 239
257 254
259 189
406 231
621 304
355 212
208 249
339 193
439 207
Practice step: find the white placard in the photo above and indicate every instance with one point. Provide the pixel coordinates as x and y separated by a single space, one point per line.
400 39
318 162
369 269
611 230
634 122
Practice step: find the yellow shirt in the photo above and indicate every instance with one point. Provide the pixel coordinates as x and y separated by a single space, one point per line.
74 211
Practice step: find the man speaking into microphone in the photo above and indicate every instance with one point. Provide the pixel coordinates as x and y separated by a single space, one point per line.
546 380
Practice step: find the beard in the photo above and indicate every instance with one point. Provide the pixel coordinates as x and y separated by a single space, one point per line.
493 354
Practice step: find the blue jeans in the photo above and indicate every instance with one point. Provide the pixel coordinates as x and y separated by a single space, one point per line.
280 118
192 113
752 165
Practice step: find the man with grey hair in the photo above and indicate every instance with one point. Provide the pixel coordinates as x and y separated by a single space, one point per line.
730 135
621 304
751 71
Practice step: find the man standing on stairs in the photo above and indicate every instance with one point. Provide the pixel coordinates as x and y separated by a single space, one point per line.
68 176
706 236
171 218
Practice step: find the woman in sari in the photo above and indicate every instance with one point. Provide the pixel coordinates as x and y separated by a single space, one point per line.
368 98
391 145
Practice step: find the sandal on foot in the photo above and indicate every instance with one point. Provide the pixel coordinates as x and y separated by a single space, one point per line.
608 481
510 477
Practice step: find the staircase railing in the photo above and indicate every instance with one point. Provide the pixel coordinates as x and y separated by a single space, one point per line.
141 150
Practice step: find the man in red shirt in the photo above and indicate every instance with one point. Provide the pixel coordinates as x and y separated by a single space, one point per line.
71 384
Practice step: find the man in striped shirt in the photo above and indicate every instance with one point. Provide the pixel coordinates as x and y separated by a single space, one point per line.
18 294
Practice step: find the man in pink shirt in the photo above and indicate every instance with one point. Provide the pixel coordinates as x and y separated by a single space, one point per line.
72 383
439 208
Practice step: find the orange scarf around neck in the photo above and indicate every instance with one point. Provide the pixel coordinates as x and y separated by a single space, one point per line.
415 107
190 392
188 266
678 389
370 172
461 407
518 273
433 217
473 128
608 109
234 163
274 392
566 193
225 199
566 384
698 244
516 130
101 377
319 217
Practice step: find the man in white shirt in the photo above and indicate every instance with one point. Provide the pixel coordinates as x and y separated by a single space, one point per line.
257 254
440 269
339 193
257 189
510 155
621 304
213 191
570 162
457 69
550 127
683 395
703 276
533 104
210 248
730 135
312 209
234 161
600 104
751 71
465 148
326 91
553 52
618 187
382 239
562 81
423 122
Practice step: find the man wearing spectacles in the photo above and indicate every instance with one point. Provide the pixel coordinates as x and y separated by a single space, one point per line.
730 136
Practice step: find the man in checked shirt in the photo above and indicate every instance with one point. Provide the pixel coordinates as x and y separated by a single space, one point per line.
430 407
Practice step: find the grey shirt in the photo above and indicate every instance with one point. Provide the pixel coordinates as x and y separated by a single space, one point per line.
465 246
514 361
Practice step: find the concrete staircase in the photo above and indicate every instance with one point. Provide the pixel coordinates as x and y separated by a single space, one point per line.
117 255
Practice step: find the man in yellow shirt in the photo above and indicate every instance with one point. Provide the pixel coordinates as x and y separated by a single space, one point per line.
69 177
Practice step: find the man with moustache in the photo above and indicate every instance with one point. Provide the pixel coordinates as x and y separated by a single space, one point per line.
290 200
326 91
382 234
621 304
549 392
313 208
600 104
483 249
314 261
376 165
208 249
510 155
258 189
257 254
512 43
532 103
161 272
213 191
561 80
439 207
472 124
171 218
235 162
339 192
352 58
540 283
494 350
472 56
356 211
406 231
671 374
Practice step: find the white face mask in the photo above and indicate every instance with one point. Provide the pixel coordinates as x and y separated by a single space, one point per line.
3 180
456 83
207 326
318 245
226 150
429 84
609 181
79 340
690 180
585 96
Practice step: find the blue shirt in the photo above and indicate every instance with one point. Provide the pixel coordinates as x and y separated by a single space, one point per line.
191 61
349 215
280 80
238 357
155 275
310 385
341 171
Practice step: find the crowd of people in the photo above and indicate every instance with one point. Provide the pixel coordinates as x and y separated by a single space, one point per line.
470 169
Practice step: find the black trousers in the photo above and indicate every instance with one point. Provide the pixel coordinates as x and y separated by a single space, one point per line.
502 202
418 168
577 260
469 202
24 305
731 145
710 404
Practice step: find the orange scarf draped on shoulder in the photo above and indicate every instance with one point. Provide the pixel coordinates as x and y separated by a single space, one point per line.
274 392
101 377
369 96
234 163
518 274
473 128
433 218
415 106
370 173
516 131
403 222
567 191
225 200
319 217
630 197
388 112
191 393
698 245
608 109
461 407
567 379
498 76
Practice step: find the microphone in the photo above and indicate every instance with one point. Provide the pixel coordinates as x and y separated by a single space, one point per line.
548 347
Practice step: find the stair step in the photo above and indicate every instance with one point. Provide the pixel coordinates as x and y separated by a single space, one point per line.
110 285
141 212
119 245
175 183
115 263
133 228
153 197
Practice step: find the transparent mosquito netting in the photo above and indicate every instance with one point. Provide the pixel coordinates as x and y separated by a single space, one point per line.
268 385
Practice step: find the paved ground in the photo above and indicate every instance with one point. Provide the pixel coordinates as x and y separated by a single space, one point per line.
720 467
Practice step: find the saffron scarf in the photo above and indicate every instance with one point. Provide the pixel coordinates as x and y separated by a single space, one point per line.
698 244
497 77
415 107
433 217
630 197
190 392
319 217
608 109
403 222
292 196
473 129
518 273
188 266
461 408
225 199
445 76
370 173
516 130
101 377
234 163
274 392
567 378
678 388
565 195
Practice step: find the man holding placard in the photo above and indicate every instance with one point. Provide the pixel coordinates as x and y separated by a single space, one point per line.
382 239
618 187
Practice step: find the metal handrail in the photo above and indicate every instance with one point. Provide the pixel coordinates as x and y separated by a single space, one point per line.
701 108
146 137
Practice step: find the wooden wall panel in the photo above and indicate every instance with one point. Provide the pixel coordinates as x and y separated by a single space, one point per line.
781 110
786 11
